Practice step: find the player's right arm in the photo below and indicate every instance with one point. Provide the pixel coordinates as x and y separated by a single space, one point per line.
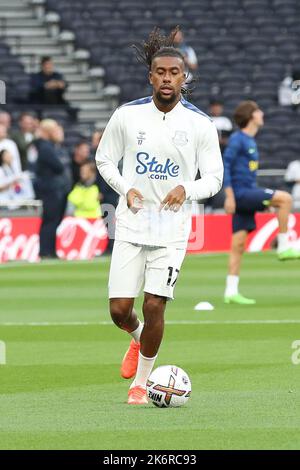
109 153
229 157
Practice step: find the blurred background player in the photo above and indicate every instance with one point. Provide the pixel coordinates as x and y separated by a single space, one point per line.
164 140
244 198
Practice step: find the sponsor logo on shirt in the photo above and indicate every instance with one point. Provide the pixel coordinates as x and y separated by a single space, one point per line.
180 138
155 169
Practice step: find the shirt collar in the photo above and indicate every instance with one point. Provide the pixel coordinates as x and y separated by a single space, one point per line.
169 113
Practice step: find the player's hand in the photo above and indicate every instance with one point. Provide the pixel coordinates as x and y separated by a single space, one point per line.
174 199
230 205
134 200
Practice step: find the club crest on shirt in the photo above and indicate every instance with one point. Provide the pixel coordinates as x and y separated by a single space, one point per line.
180 138
141 137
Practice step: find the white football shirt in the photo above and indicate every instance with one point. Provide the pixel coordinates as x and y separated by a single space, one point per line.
160 151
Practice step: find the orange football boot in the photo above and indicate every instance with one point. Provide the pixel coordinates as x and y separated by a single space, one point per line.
130 360
137 396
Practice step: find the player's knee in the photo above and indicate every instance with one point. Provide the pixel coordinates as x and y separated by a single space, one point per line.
154 308
283 198
154 303
239 246
119 313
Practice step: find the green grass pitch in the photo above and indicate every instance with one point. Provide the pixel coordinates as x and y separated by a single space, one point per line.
61 389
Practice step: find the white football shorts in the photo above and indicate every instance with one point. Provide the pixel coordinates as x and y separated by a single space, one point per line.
133 266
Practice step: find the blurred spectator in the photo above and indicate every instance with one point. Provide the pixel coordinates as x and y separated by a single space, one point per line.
47 86
223 123
5 119
9 145
24 136
292 176
96 137
14 186
189 54
84 199
65 158
81 155
49 185
289 90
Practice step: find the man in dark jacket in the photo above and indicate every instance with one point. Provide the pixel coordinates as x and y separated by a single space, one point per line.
49 184
47 86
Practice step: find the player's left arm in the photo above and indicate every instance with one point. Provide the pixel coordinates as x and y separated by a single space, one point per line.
174 199
210 165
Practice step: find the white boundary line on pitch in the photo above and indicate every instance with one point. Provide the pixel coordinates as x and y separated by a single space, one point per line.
22 264
170 322
100 259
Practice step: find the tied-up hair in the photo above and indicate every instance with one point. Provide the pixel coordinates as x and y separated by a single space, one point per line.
158 45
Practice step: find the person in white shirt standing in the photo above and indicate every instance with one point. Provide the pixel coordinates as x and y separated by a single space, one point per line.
164 140
8 144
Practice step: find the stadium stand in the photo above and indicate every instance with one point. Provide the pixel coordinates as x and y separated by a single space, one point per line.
27 33
244 49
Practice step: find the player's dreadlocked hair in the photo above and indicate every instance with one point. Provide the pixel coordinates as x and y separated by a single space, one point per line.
158 45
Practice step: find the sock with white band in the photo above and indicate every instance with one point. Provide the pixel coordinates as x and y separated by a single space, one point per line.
144 369
232 285
136 334
283 242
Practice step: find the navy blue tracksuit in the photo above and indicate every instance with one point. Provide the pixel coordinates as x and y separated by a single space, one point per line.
50 187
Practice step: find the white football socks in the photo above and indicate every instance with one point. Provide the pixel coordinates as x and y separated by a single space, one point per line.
232 285
144 369
283 242
136 334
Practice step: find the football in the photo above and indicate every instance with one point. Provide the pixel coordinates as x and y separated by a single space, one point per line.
169 386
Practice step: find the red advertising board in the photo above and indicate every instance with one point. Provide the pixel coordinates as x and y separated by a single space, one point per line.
217 233
76 239
84 239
